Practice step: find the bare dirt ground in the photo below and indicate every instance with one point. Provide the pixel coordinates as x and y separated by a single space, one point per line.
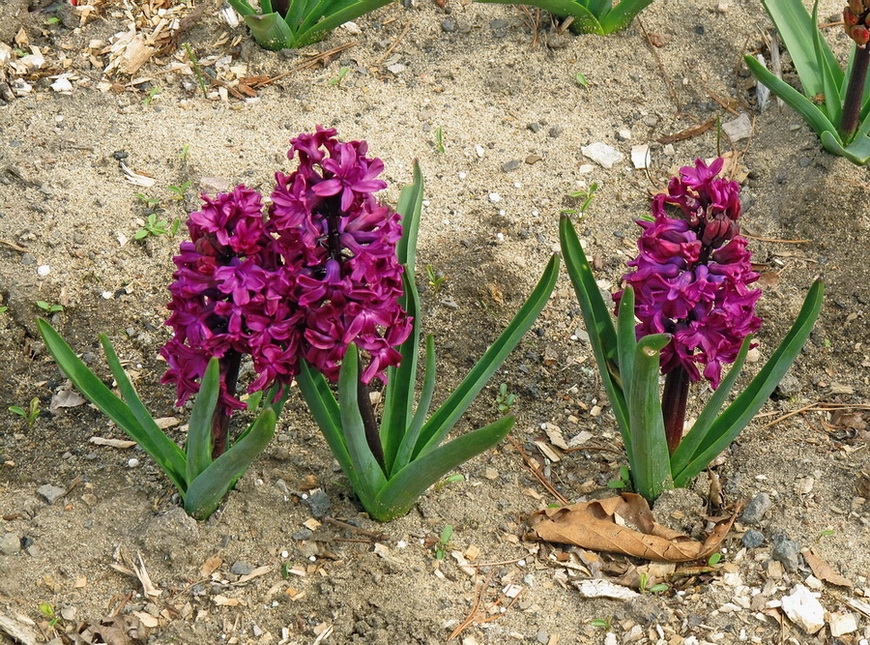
290 558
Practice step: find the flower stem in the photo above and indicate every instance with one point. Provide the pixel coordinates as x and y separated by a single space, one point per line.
674 405
220 421
854 93
373 437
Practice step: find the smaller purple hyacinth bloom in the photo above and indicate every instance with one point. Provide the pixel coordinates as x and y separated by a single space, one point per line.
692 273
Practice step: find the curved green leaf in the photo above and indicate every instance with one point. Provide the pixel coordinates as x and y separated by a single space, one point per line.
440 423
648 451
199 439
695 437
412 432
622 14
858 152
831 80
811 113
151 439
402 490
270 31
798 32
333 20
585 21
599 325
735 417
409 207
243 7
626 339
206 491
364 463
401 380
324 408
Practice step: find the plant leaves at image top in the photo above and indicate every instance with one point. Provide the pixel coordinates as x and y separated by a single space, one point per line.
601 17
289 24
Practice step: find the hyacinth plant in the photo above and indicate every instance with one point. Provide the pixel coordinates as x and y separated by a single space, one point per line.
835 104
686 310
599 17
392 461
289 24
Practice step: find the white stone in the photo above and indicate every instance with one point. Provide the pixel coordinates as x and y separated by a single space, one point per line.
62 84
602 154
352 28
133 462
625 133
804 609
739 128
43 270
640 157
841 623
494 197
478 149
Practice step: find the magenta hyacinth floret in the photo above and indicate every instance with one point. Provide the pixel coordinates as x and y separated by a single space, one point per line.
318 273
692 274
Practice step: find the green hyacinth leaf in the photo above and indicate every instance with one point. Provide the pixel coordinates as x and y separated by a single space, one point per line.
270 31
206 491
402 490
622 14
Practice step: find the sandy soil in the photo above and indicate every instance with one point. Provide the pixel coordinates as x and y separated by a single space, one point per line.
514 120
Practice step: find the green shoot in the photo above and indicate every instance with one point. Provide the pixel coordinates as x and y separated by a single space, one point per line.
179 192
173 229
48 307
152 226
443 541
450 479
48 611
644 587
3 309
581 80
197 70
624 480
52 21
435 279
586 195
504 400
152 93
150 202
603 623
339 78
713 560
439 141
185 150
29 414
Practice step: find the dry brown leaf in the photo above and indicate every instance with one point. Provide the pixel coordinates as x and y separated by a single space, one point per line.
118 630
823 571
593 525
210 566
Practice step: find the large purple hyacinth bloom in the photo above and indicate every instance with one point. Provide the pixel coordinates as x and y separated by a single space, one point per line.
692 274
318 273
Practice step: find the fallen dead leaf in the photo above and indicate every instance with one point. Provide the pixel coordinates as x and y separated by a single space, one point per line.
593 525
124 629
211 565
823 571
112 443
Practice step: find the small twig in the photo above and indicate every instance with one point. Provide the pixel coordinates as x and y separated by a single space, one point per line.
537 472
497 564
13 246
688 133
723 103
819 406
395 44
311 62
350 527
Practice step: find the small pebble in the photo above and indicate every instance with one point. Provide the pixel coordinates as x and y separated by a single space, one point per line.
10 544
43 270
241 568
756 509
494 197
803 162
787 552
133 462
50 492
753 539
